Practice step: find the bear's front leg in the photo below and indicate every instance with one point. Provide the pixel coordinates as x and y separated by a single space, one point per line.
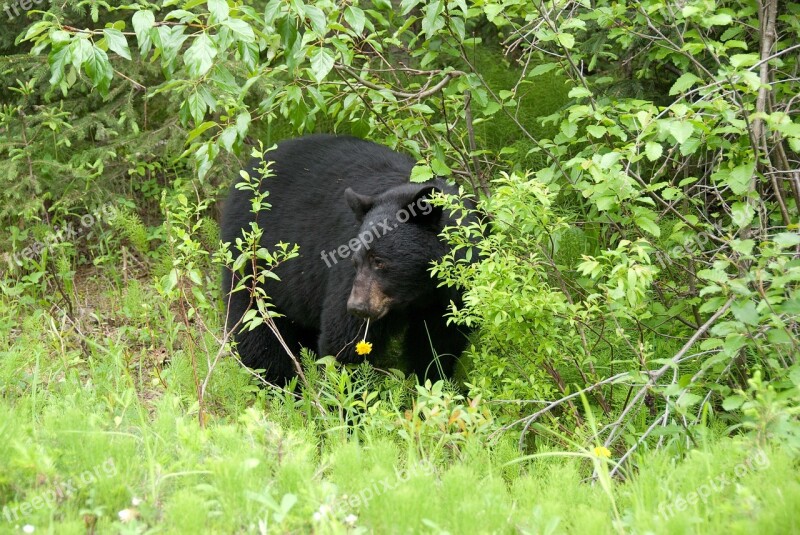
339 330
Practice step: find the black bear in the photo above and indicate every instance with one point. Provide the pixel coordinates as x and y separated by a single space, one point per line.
366 236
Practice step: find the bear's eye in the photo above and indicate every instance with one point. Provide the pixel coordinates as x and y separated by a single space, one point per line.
379 263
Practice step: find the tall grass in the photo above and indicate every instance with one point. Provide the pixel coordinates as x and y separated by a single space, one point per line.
92 440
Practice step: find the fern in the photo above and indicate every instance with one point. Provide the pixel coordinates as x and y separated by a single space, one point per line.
129 225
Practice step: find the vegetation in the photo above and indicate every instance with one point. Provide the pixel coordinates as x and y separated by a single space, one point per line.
632 282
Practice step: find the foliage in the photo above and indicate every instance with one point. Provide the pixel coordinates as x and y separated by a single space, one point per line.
635 170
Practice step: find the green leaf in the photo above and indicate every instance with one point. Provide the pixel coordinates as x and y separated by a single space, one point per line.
58 60
734 342
567 40
718 19
59 37
744 247
492 108
80 50
271 11
596 130
196 107
228 137
683 83
219 10
37 29
243 123
318 21
492 10
355 18
794 375
542 69
568 128
433 20
609 159
117 42
421 173
407 5
200 129
590 267
422 108
579 92
170 281
740 177
741 214
744 60
183 16
746 312
200 57
785 240
440 168
241 30
646 221
99 70
690 11
321 63
171 40
681 130
653 151
731 403
687 400
715 275
142 22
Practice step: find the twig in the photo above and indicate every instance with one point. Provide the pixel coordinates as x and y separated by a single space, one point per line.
656 375
449 75
528 420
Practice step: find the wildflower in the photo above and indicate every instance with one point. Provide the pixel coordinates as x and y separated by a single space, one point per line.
350 519
27 528
136 501
364 347
323 512
602 451
127 515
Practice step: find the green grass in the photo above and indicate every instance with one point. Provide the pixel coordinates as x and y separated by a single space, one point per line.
90 432
535 98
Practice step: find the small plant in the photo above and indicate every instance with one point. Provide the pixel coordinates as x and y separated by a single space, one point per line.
771 411
441 422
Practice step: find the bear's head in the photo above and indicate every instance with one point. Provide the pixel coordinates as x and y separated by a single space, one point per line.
396 243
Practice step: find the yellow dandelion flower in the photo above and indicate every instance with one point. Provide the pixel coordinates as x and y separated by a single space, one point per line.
602 451
363 347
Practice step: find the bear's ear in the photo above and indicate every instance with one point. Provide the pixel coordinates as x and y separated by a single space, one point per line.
359 204
421 209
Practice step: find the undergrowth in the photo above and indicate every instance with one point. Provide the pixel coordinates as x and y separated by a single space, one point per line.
102 435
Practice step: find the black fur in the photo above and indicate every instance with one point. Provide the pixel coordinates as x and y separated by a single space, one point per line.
310 207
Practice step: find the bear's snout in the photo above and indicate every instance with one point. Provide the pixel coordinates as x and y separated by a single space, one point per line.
358 309
367 300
